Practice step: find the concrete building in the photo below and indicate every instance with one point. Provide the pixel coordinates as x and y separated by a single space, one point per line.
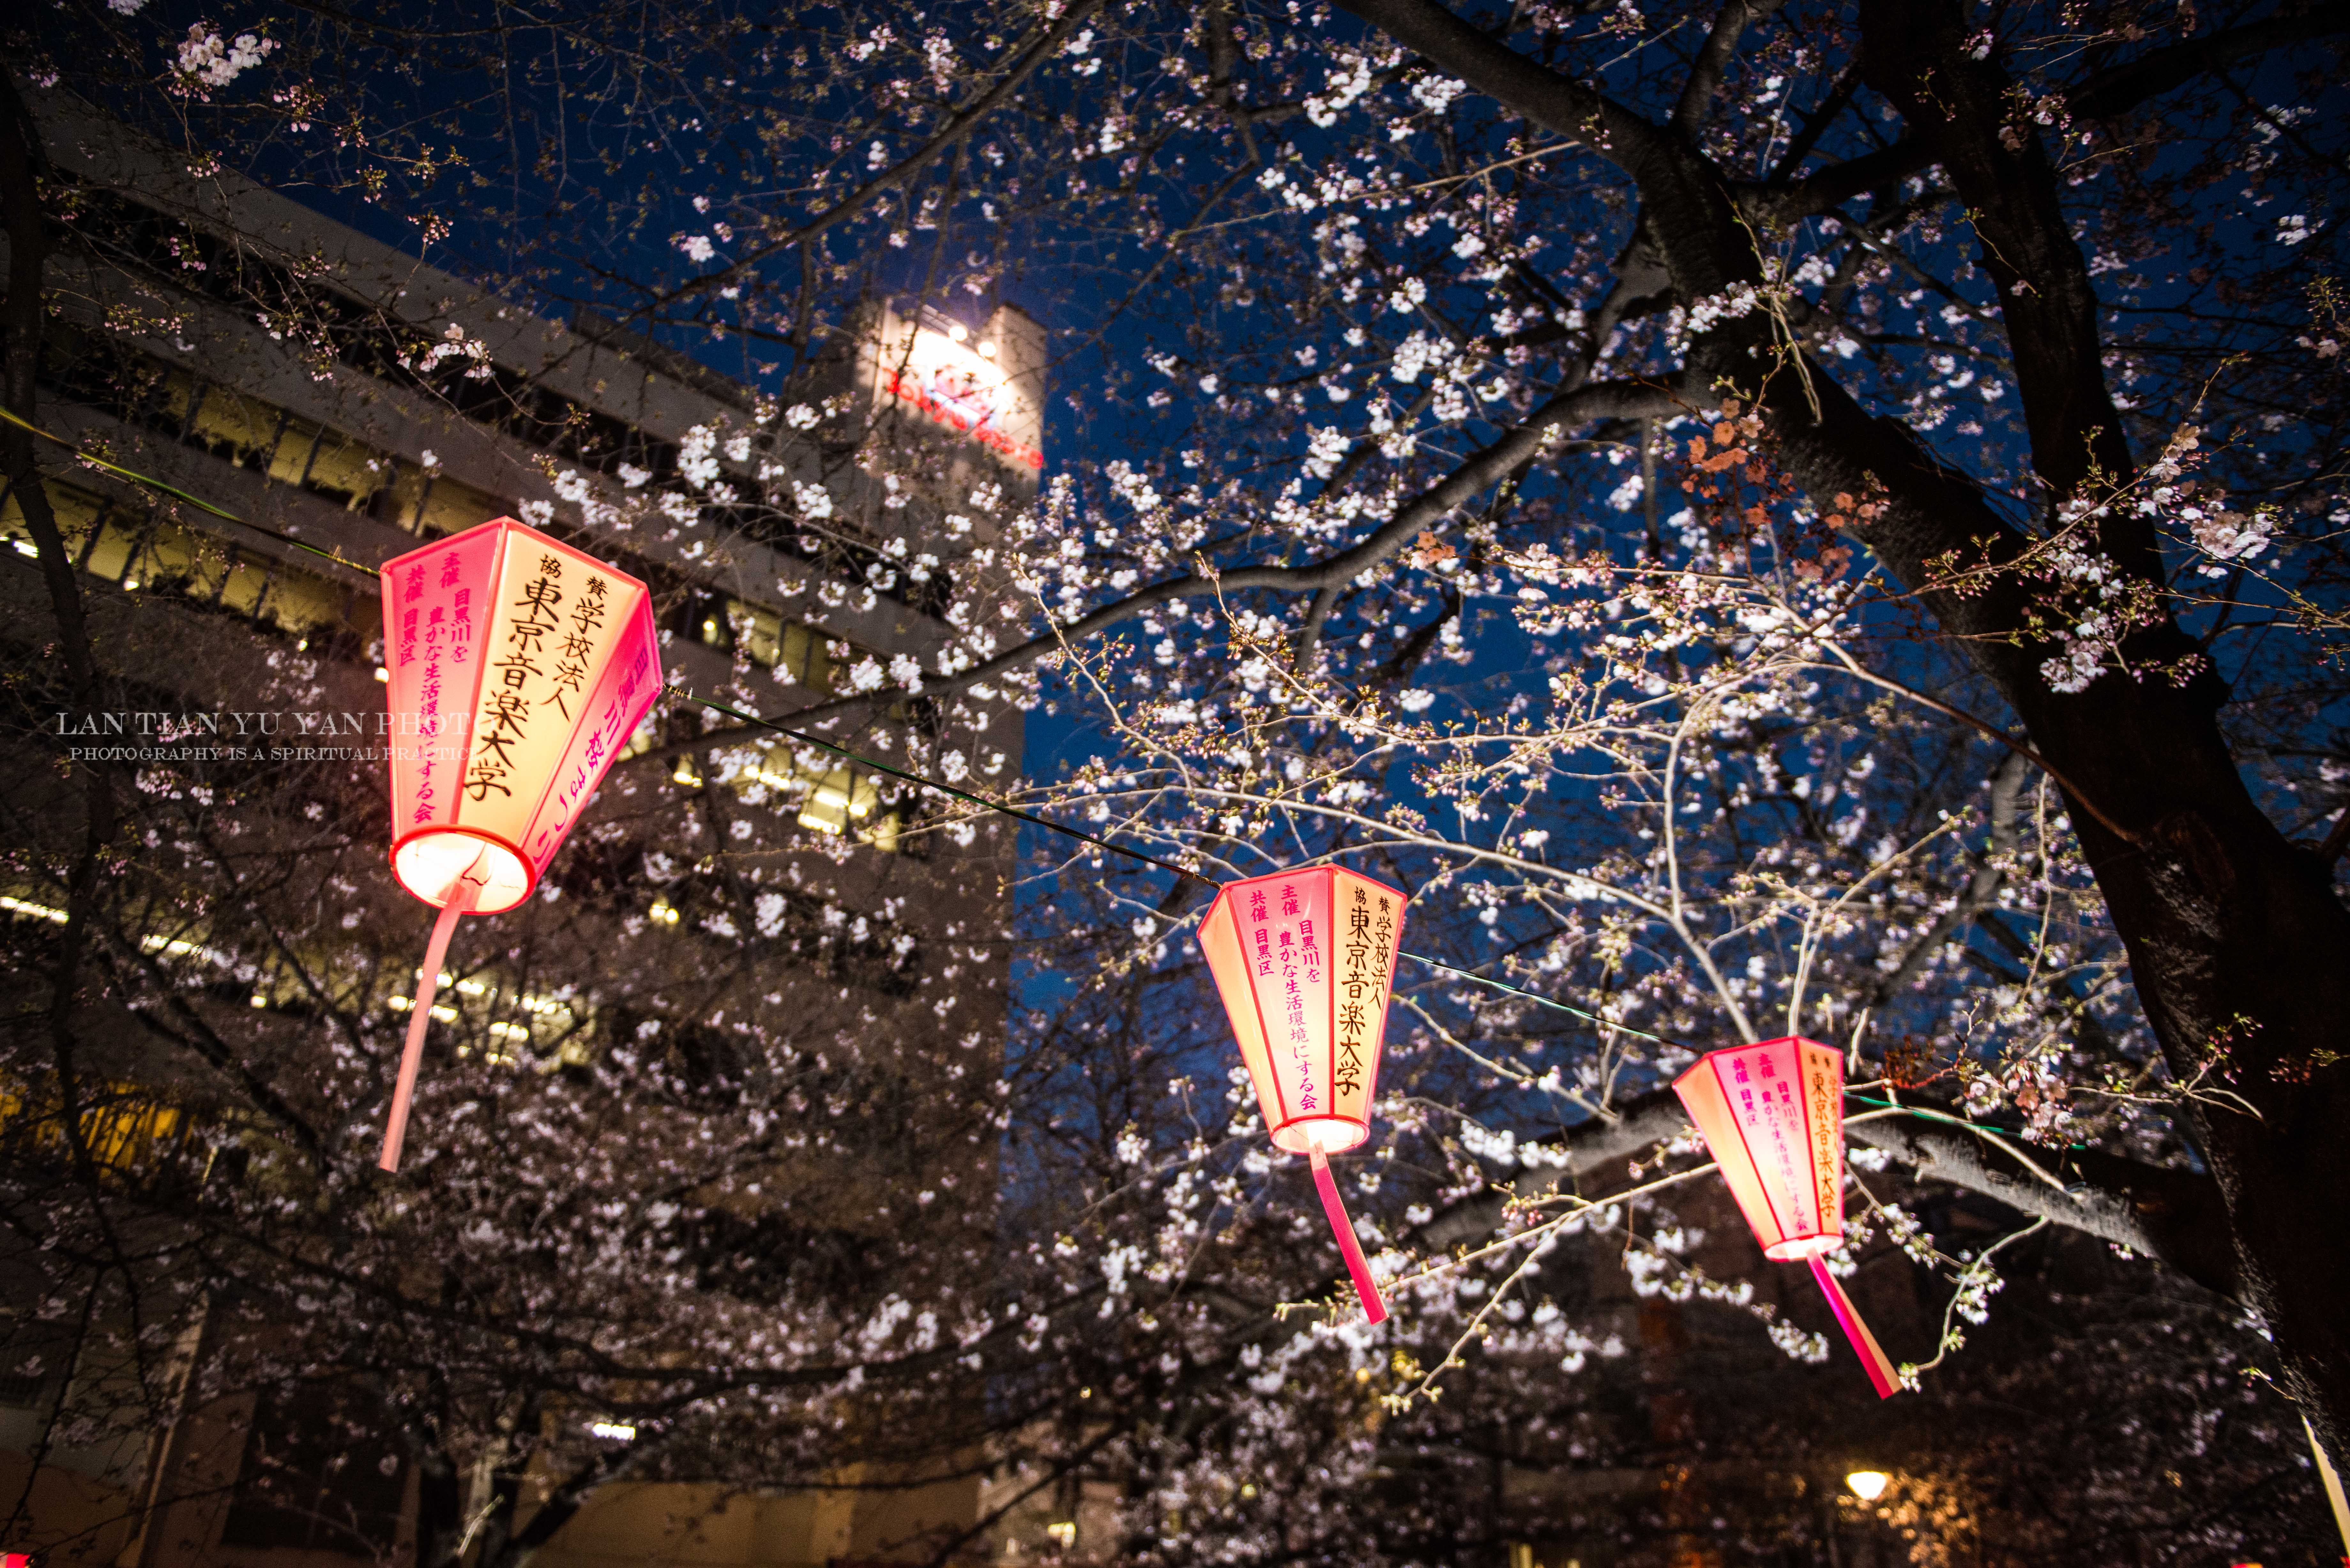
390 401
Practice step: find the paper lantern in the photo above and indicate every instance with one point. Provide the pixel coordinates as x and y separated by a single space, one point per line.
516 668
1773 1115
1304 963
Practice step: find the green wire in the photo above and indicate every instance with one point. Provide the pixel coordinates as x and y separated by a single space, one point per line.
1048 823
173 490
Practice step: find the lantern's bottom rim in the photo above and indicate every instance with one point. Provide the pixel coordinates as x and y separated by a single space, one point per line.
1332 1135
501 872
1795 1252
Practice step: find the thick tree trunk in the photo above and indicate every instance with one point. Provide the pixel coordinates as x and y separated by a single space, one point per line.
2239 947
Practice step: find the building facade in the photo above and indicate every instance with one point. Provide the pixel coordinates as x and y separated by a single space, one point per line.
805 550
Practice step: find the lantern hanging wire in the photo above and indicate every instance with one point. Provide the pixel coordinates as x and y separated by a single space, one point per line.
462 892
877 765
1183 874
176 493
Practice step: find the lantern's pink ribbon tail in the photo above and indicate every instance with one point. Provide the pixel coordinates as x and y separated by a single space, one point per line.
458 901
1880 1369
1344 1229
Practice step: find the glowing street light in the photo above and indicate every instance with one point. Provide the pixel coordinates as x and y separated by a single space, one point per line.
1868 1485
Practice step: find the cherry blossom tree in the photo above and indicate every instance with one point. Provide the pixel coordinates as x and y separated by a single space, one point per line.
1751 327
1763 518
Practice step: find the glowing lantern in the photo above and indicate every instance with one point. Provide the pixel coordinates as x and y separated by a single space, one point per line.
1304 961
516 670
1773 1115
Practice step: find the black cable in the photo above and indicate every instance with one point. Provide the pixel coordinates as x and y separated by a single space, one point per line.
1546 1001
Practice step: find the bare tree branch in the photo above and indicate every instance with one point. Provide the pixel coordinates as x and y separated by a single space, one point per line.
2175 1216
1713 59
1607 400
958 126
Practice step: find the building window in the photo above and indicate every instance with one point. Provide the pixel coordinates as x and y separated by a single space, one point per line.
143 552
802 653
832 797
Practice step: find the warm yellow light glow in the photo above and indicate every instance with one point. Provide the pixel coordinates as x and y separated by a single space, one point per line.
1064 1532
383 675
1867 1485
622 1431
951 378
518 665
41 911
155 944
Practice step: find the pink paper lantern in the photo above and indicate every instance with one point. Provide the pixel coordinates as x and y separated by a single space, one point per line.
1773 1115
1304 963
516 668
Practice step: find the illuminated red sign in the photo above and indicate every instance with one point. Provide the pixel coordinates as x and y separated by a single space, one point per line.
963 402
